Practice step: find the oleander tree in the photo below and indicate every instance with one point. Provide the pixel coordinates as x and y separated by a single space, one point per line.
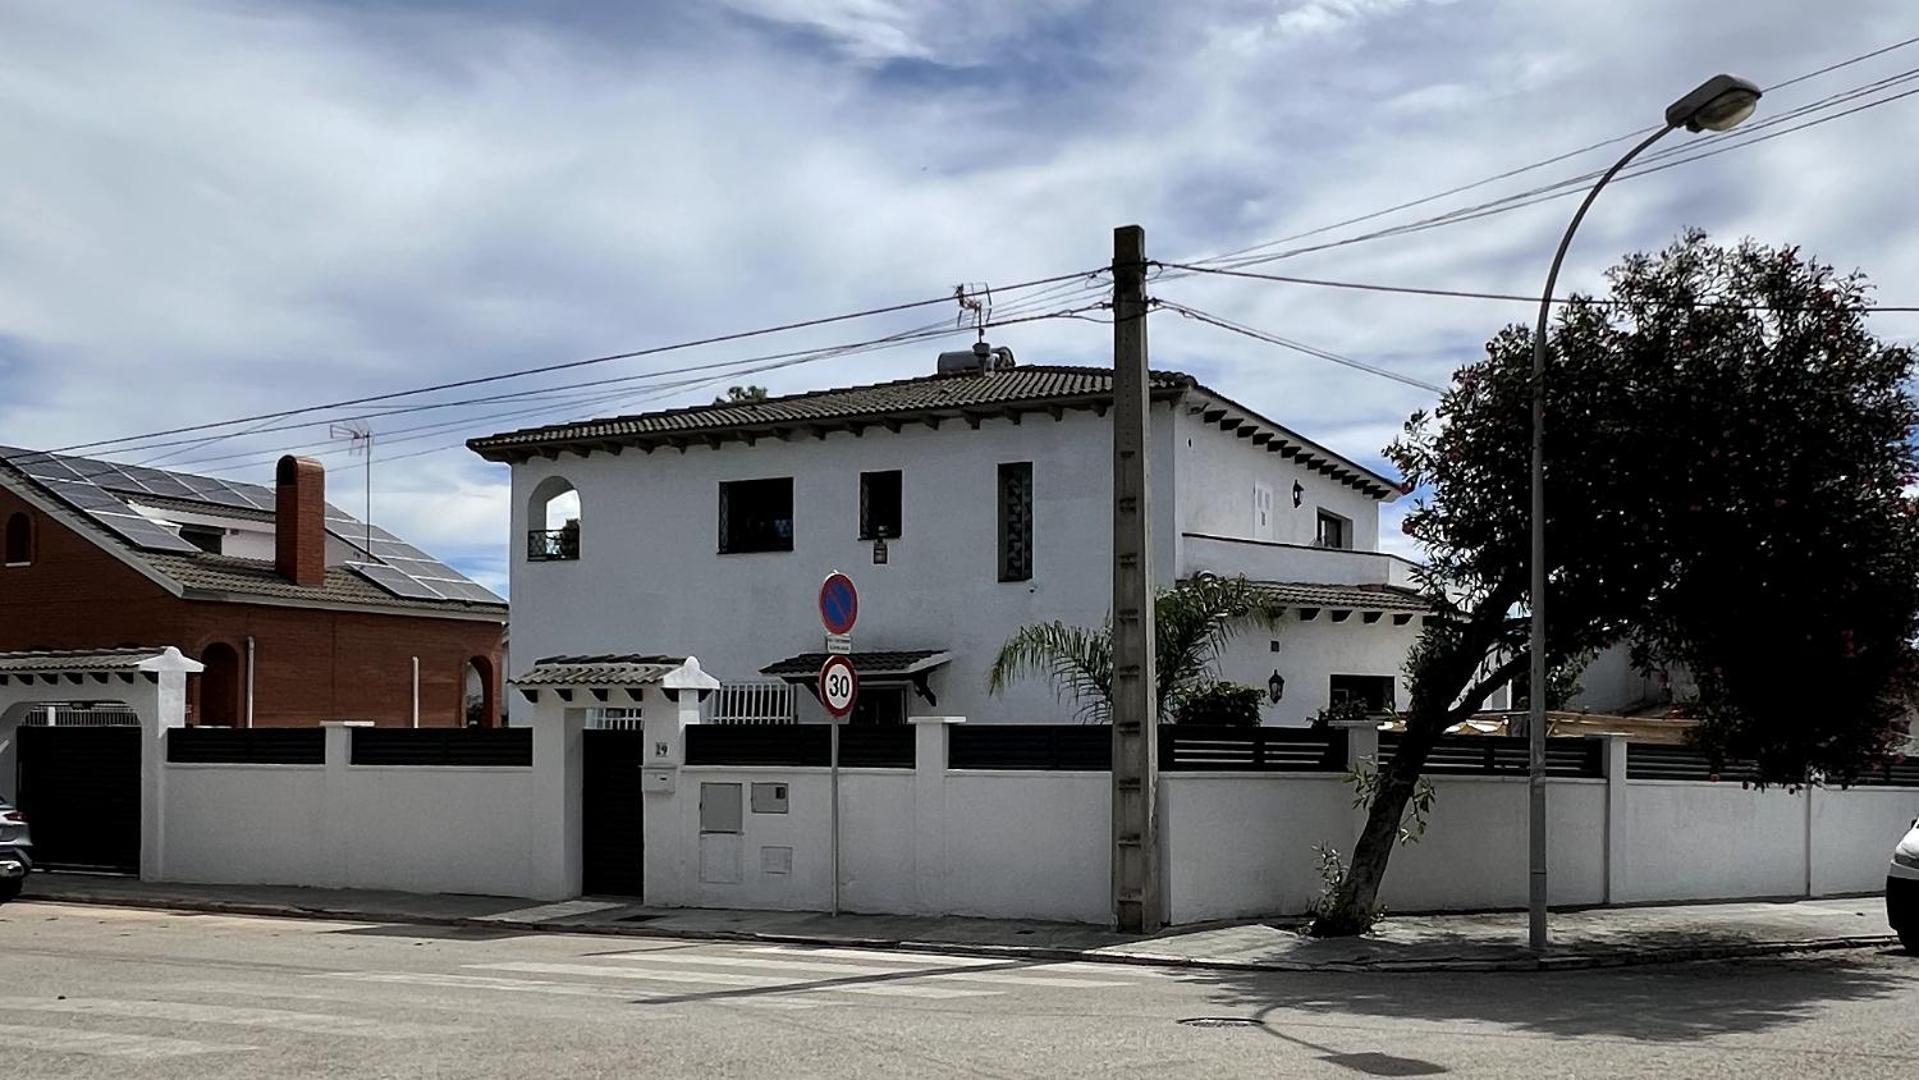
1729 487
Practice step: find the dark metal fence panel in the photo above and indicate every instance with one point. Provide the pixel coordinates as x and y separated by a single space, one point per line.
760 744
1251 749
1891 774
247 746
887 746
1497 755
1087 747
1658 761
443 746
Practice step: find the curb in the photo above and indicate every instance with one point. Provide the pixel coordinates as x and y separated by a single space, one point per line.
1518 963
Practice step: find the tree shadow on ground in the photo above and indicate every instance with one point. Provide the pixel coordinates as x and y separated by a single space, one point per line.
1665 1003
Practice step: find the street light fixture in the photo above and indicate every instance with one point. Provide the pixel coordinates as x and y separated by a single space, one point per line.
1717 104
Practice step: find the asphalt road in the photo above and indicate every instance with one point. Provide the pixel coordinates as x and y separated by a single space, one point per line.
109 992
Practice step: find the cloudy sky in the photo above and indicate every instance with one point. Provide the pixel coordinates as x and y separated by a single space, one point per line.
211 209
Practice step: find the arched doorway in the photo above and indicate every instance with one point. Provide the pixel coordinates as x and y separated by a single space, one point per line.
220 703
479 704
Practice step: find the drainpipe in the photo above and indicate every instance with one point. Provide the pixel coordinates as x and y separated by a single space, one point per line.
249 680
416 691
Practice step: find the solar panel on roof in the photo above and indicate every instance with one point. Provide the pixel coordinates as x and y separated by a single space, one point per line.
142 533
395 582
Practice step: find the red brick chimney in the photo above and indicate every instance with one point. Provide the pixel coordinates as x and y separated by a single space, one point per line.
299 521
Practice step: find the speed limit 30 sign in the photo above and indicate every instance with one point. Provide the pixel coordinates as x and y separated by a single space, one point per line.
839 685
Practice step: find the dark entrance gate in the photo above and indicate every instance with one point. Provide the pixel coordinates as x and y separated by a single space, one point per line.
613 843
80 791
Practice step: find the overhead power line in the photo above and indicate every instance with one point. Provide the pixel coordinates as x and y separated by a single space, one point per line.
1466 294
1298 346
715 339
1530 166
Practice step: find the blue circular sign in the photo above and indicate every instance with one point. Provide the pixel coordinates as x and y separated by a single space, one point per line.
839 603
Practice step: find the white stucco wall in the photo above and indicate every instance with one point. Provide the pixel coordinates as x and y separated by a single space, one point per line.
1309 653
1218 471
412 829
1472 856
649 578
1853 834
1029 845
1703 841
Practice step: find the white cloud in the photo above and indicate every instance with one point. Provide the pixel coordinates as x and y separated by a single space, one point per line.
211 209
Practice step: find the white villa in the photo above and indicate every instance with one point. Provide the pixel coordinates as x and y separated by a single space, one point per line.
964 503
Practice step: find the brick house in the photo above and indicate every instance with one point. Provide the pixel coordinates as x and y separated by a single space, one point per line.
300 612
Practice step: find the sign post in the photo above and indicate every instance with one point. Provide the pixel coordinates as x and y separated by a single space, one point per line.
838 686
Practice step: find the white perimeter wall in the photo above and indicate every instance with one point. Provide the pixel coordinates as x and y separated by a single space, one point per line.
987 843
412 829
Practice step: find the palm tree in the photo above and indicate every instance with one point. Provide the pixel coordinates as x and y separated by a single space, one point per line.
1192 622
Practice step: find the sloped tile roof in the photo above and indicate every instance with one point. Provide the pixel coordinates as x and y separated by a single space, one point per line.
1354 597
932 399
605 670
57 660
868 664
233 577
1036 386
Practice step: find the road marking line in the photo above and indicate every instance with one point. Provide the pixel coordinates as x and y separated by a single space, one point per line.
1006 978
717 979
545 912
879 957
501 984
108 1043
238 1015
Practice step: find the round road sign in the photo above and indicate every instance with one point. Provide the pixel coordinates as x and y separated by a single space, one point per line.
839 685
839 603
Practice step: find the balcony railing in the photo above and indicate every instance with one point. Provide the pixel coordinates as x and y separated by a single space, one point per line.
552 545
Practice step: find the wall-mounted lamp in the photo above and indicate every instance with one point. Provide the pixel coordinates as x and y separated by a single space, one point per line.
1276 687
879 546
1299 492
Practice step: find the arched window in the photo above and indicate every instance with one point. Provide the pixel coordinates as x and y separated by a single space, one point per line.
19 540
481 705
220 704
553 522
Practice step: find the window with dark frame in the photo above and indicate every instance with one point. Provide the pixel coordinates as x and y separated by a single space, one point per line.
879 706
19 540
880 505
1016 521
1334 531
756 515
1375 692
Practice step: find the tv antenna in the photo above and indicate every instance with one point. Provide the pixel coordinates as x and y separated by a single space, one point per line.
976 302
361 434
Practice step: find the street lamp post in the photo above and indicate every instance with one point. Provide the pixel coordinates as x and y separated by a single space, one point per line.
1717 104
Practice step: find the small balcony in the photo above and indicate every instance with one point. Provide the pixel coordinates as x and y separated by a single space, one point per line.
553 545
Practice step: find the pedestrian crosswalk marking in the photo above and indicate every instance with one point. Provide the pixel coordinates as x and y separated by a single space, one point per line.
238 1015
1006 978
547 912
761 982
107 1043
529 986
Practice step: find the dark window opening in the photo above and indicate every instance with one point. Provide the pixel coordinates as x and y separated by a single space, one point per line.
756 515
879 705
19 540
1375 692
207 538
880 505
1334 531
1016 521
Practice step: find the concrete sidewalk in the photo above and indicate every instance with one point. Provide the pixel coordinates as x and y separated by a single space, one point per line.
1594 937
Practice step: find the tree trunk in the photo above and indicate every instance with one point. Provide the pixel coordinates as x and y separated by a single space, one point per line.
1358 896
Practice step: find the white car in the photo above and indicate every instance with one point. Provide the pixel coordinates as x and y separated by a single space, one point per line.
1902 890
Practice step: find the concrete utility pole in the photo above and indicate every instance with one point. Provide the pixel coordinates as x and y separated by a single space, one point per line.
1136 899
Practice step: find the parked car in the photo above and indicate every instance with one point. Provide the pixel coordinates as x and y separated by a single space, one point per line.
16 851
1902 890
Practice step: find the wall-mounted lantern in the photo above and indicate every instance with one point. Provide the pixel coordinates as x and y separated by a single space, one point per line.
1299 493
1276 687
879 546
